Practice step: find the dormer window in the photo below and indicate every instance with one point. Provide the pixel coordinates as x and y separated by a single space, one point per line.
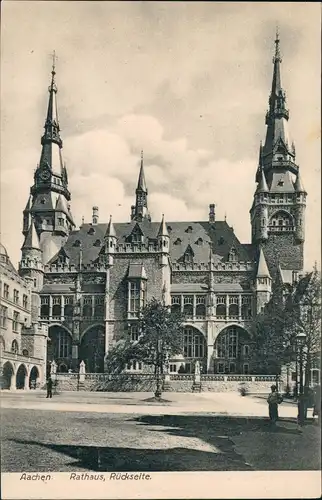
178 241
199 241
91 230
136 238
188 255
232 255
169 228
97 243
221 241
43 201
77 243
189 229
280 182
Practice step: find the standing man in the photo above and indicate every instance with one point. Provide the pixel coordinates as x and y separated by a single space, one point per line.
273 400
49 385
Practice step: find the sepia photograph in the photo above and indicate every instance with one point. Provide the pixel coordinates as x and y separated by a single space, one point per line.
160 254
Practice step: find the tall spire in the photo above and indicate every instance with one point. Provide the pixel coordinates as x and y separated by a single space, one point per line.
262 269
141 182
51 154
140 209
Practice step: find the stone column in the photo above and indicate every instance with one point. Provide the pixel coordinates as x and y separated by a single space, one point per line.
194 307
62 307
13 382
239 307
26 386
50 307
227 306
210 362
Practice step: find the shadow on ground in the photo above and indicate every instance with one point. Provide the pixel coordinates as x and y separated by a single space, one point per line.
108 459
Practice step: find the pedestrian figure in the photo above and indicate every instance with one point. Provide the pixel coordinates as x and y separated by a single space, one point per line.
49 387
273 400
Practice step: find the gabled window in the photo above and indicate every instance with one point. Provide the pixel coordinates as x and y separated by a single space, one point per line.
199 241
97 243
189 229
91 230
178 241
136 235
77 243
232 255
14 347
188 255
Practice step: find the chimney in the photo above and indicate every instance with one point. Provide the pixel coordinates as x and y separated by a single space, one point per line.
95 216
212 217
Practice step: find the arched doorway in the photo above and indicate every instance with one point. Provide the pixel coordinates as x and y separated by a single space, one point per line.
59 346
33 377
232 351
7 374
21 377
92 349
194 348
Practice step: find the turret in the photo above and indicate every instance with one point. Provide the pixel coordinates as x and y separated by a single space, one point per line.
140 211
110 240
300 209
263 282
31 267
163 242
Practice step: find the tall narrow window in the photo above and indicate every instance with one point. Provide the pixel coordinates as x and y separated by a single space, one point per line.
15 321
134 332
16 296
175 303
134 296
44 307
87 306
188 306
5 291
25 301
3 316
56 307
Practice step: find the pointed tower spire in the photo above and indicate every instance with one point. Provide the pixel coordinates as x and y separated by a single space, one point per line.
210 263
141 182
110 230
277 144
262 270
298 186
31 240
140 209
262 185
163 231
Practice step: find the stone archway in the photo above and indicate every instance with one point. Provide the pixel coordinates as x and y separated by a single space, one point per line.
194 348
232 351
92 349
7 377
21 377
59 347
33 377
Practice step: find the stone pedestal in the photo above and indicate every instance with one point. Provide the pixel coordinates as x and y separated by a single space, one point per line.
166 382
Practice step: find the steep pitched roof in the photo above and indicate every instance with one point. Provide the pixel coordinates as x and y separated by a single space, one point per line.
262 269
31 240
196 234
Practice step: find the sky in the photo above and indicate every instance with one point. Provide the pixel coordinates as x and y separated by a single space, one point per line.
187 82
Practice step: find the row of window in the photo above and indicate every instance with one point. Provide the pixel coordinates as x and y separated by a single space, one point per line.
16 296
232 306
14 347
4 319
279 198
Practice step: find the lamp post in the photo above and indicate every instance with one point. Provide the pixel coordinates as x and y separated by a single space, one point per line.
158 390
300 342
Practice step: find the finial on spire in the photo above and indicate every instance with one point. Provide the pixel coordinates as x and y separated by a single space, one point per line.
277 56
54 58
141 155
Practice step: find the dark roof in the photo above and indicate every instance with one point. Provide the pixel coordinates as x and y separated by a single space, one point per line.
196 234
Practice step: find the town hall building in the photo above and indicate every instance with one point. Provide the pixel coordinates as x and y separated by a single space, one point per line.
90 282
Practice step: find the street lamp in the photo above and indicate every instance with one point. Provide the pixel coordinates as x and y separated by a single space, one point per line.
300 342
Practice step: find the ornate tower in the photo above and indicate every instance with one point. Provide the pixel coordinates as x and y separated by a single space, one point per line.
49 203
140 209
278 210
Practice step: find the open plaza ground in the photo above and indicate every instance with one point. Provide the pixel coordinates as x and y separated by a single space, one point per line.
126 432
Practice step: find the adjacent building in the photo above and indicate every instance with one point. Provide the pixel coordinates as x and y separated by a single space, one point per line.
23 341
89 282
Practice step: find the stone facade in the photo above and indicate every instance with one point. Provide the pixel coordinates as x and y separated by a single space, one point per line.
23 340
89 283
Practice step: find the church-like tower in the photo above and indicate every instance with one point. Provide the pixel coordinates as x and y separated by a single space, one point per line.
278 210
49 202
